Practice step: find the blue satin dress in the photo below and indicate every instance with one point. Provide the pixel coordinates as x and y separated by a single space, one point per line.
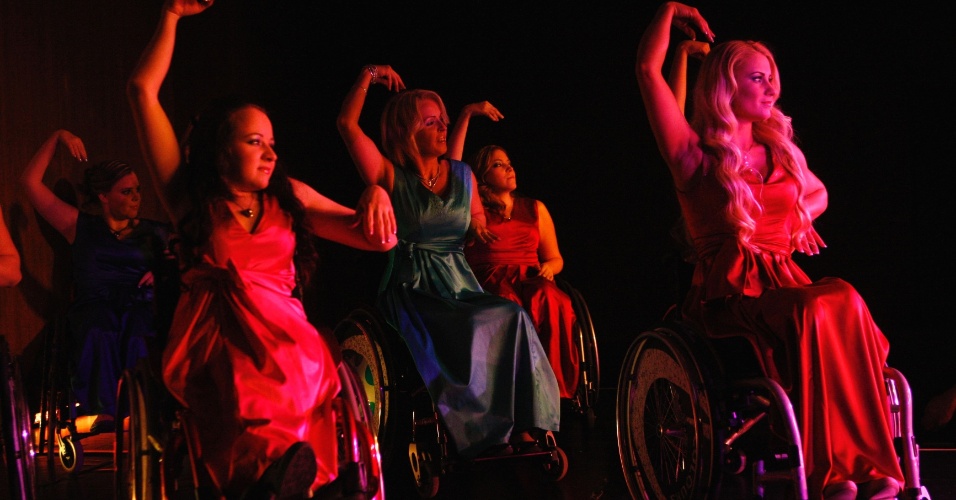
478 353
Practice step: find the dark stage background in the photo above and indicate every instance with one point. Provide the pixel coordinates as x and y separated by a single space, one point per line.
866 90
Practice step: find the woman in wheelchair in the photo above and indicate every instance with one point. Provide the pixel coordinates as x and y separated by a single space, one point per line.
749 201
256 377
114 255
477 353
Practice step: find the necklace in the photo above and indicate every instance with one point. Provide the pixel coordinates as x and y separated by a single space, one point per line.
247 212
430 182
117 233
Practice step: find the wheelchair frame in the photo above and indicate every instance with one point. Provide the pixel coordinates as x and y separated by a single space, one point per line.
149 457
683 425
17 436
393 390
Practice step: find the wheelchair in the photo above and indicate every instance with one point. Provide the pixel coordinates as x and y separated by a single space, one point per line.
17 437
397 396
156 457
589 381
691 422
58 432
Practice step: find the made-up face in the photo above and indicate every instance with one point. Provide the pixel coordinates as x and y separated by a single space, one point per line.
250 153
755 94
123 199
500 176
431 137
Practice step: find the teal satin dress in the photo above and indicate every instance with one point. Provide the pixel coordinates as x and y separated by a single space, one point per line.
478 353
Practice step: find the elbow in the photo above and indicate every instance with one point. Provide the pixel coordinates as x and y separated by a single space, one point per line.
11 277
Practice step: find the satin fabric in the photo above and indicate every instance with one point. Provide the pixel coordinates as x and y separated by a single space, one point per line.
816 338
111 317
508 267
478 354
244 359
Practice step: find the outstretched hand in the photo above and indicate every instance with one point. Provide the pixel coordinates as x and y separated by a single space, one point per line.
385 75
73 144
483 108
184 8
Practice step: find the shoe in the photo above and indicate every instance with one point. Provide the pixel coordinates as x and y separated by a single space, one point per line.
103 423
289 477
884 488
840 490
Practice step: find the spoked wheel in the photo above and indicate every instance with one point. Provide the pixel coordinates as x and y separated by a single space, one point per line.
360 335
17 432
136 456
665 418
589 384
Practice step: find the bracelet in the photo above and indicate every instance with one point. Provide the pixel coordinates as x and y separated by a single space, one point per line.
373 71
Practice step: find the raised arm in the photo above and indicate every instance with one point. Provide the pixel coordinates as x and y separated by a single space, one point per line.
456 137
157 139
677 78
675 138
60 214
333 221
10 273
551 262
372 165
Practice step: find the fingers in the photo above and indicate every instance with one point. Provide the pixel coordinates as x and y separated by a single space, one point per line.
146 280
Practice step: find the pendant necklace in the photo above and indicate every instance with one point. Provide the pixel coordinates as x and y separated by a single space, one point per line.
120 231
430 182
247 212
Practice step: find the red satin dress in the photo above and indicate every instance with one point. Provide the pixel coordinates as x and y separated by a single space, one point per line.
816 338
243 358
508 267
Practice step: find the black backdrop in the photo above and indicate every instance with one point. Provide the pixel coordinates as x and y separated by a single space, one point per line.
867 90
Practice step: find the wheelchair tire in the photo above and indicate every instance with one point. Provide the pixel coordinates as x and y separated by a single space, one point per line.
556 468
360 461
71 454
666 417
360 335
17 436
586 396
136 459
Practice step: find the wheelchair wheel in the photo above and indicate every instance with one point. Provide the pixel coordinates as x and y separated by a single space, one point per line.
557 467
17 433
71 454
359 461
666 417
360 335
136 457
589 384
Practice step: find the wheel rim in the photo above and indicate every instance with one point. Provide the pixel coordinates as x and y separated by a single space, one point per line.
664 422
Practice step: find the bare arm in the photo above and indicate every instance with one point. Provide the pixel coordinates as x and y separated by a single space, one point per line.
677 78
372 165
333 221
548 254
60 214
157 139
675 138
456 137
10 273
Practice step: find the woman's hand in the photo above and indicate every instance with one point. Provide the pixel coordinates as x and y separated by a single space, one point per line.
483 108
147 280
385 75
693 48
479 232
546 272
688 20
375 214
73 144
184 8
810 243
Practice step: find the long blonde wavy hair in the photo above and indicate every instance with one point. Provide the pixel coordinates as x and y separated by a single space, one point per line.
714 121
